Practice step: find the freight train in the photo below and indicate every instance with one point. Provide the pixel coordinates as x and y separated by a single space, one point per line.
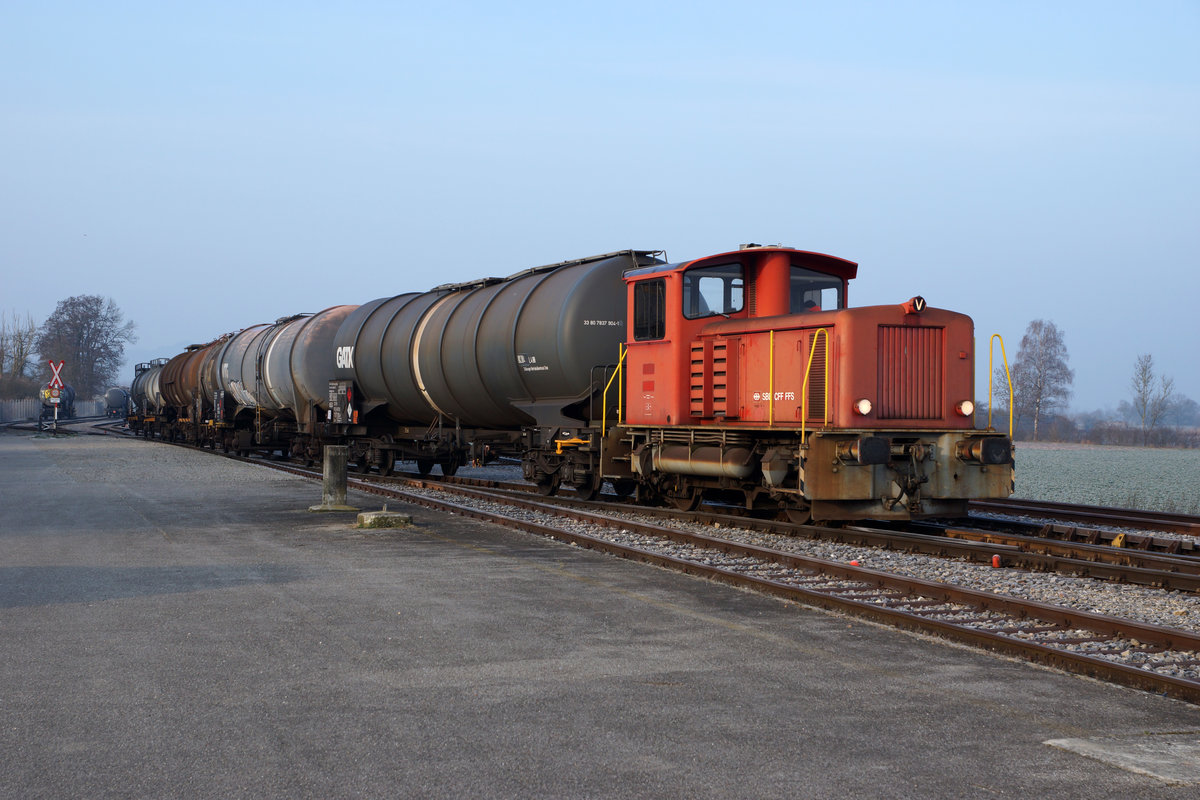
743 377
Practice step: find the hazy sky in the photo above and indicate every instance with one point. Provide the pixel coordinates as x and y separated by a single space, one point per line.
211 166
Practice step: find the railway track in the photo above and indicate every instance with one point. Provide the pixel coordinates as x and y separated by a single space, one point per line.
1093 515
1114 648
1175 569
1151 657
65 426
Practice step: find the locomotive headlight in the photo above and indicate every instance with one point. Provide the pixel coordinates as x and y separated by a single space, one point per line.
863 406
966 408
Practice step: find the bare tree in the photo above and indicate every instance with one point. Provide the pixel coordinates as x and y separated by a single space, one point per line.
89 333
16 349
1152 400
1185 412
1040 375
23 334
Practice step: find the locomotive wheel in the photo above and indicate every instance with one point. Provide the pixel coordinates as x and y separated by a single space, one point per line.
424 466
624 486
801 515
589 489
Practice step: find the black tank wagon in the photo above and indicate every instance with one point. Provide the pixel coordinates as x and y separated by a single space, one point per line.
471 370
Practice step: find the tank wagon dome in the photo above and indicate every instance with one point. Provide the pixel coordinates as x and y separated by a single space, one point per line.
497 352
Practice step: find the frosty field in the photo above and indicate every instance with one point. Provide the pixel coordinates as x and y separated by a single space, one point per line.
1125 477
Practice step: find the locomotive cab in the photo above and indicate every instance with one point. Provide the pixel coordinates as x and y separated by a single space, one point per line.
672 305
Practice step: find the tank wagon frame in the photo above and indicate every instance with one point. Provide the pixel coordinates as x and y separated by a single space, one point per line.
743 377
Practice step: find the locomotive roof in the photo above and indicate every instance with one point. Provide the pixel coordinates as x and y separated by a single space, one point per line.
804 258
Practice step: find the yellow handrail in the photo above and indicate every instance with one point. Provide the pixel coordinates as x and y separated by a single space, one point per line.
771 384
807 371
620 393
1007 374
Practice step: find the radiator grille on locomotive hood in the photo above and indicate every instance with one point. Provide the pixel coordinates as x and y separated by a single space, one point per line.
910 372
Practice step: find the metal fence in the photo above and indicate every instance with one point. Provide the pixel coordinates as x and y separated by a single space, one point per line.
29 408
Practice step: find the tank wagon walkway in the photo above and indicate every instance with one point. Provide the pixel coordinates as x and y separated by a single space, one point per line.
175 624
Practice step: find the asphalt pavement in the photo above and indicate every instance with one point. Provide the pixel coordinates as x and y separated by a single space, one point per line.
177 624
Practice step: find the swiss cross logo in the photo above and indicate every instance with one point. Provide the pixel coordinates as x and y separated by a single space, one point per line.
56 382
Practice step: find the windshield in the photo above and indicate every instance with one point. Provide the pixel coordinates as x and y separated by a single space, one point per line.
709 291
815 291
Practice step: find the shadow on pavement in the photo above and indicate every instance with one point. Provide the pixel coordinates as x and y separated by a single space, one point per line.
41 586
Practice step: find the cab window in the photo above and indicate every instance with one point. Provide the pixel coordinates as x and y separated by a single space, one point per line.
649 310
815 291
712 291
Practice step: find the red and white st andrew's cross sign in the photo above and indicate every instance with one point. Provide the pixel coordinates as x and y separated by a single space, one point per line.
56 382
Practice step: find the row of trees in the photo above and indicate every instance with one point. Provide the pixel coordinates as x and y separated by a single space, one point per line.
1154 414
88 332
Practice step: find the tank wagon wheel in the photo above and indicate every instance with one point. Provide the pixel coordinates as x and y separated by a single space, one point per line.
547 484
686 500
424 466
313 454
623 487
387 458
450 465
646 495
589 489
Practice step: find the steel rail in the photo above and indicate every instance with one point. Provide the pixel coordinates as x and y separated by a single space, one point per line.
1100 562
1125 517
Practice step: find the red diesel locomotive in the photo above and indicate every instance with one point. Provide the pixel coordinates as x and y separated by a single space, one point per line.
747 377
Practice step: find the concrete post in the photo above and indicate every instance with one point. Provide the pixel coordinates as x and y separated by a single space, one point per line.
333 480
